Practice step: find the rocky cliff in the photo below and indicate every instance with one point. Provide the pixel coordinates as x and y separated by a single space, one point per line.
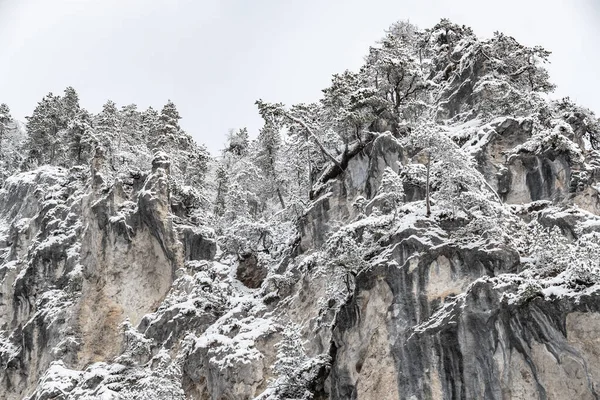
481 284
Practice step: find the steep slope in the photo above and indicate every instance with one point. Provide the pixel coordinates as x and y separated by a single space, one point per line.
449 250
79 259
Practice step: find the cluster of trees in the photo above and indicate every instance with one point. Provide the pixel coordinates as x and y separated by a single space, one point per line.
60 132
5 119
412 83
9 157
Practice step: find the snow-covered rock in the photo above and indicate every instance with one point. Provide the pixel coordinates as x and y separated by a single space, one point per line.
455 256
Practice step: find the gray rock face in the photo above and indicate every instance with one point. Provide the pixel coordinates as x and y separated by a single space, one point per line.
107 292
523 171
250 272
433 319
77 261
377 326
361 178
110 291
430 321
480 348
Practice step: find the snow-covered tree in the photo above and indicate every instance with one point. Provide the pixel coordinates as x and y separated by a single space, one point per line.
450 172
391 190
222 181
82 140
268 159
5 118
69 105
350 105
43 128
277 115
295 370
190 161
149 125
169 120
394 70
107 124
131 124
238 141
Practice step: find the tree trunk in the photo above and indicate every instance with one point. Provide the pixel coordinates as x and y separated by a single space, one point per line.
492 190
280 198
119 148
428 212
277 188
314 136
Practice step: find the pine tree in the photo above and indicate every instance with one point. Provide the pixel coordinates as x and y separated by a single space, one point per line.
43 129
168 122
269 144
69 106
108 127
130 133
131 124
5 119
294 368
81 136
108 119
276 115
395 73
236 204
238 142
451 173
391 188
350 105
222 189
149 125
191 162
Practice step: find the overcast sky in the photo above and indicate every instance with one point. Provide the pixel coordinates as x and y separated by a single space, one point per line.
215 58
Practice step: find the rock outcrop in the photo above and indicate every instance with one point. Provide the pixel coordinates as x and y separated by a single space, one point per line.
450 255
78 261
106 293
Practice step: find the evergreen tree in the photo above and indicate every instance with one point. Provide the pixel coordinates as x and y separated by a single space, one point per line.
350 105
43 129
236 204
108 128
222 189
300 118
191 162
395 73
107 121
149 125
130 134
267 159
391 189
169 121
5 119
238 142
451 173
69 106
131 124
81 136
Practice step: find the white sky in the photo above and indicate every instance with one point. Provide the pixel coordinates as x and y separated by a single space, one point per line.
215 58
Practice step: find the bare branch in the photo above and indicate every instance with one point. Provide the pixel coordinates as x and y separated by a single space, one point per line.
313 135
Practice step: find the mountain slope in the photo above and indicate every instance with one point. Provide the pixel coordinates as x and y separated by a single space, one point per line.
429 230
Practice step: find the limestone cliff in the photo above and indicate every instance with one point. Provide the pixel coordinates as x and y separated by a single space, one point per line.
464 267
